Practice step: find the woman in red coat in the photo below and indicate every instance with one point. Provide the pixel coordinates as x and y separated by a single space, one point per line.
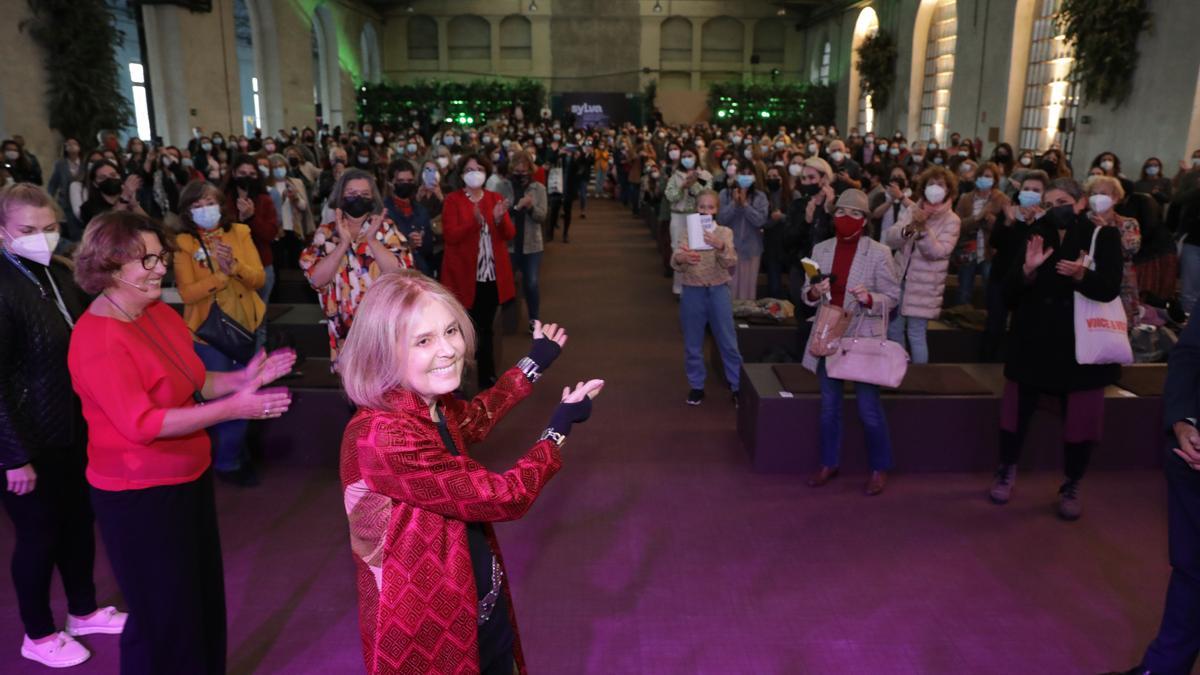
475 266
433 594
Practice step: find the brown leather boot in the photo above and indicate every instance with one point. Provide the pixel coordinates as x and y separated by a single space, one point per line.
822 476
876 483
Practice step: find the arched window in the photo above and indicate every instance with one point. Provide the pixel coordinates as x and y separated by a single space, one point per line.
934 37
469 38
862 113
826 60
369 48
1050 102
516 38
769 41
422 38
675 40
327 80
722 40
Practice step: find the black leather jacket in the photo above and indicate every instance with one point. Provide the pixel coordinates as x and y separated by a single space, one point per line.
40 418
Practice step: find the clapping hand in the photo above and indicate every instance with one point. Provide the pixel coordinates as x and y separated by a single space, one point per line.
589 389
245 207
342 227
372 227
500 210
687 255
224 256
265 368
1072 268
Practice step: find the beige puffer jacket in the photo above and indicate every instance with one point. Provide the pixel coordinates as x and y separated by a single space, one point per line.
922 260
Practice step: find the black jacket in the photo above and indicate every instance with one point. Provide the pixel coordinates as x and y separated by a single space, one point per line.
1181 394
799 235
1042 332
40 418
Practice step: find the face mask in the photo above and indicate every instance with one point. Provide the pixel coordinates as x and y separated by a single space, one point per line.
279 172
883 147
206 217
745 181
1026 161
869 140
264 170
557 137
810 190
379 140
794 170
110 186
429 176
837 156
893 151
448 140
933 146
218 141
1152 170
1107 165
357 207
37 247
848 226
963 153
269 147
11 155
918 158
934 194
244 182
688 162
674 155
984 183
1196 161
363 161
1061 216
207 147
474 179
779 145
774 184
1029 198
736 140
443 161
938 161
812 148
186 161
404 190
454 158
1100 203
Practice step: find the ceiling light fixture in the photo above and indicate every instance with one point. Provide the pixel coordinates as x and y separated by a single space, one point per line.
657 7
781 12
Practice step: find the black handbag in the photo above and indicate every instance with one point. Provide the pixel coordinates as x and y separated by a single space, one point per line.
221 331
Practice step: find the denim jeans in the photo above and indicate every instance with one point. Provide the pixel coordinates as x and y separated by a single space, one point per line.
711 306
529 264
268 285
870 413
1189 265
228 438
966 280
914 328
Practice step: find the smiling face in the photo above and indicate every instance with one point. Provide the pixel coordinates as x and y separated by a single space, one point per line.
433 352
136 275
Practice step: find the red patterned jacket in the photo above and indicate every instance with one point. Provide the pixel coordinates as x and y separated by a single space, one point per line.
408 500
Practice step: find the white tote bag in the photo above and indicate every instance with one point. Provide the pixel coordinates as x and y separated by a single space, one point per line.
554 181
1101 328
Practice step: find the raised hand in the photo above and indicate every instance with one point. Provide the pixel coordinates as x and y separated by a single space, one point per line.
1036 254
590 389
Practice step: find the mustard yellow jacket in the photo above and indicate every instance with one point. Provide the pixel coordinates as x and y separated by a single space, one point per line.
235 293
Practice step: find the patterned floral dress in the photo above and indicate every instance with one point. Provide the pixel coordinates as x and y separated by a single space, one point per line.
1131 242
355 273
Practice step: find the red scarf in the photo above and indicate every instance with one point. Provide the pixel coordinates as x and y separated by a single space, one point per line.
404 205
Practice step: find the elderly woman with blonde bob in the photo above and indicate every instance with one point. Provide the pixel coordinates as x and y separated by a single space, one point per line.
415 499
1104 193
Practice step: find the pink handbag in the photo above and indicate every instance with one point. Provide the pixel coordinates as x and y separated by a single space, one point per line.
873 360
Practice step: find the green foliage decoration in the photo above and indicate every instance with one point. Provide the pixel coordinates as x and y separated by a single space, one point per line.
79 41
469 103
877 67
1104 35
789 103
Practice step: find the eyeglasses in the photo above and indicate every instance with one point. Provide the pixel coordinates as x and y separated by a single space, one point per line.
151 260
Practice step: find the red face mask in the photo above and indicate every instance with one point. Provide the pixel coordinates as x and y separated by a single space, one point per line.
848 226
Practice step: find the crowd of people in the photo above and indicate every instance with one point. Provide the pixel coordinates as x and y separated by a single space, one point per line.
416 234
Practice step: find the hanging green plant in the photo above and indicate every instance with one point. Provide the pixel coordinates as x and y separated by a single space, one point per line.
877 67
79 40
1104 35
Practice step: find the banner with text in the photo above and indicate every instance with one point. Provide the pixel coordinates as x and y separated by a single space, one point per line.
590 109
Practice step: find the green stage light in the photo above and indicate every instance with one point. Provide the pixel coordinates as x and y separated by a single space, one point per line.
765 114
721 113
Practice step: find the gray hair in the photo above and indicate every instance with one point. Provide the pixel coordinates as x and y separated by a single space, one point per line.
336 196
1067 185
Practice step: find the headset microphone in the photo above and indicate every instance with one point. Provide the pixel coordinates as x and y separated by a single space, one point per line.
140 287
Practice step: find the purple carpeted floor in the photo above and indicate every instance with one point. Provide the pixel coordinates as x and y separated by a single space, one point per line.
656 550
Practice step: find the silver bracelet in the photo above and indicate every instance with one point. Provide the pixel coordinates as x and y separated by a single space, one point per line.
530 368
552 435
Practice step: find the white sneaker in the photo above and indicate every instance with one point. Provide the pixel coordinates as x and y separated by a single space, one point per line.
106 620
60 652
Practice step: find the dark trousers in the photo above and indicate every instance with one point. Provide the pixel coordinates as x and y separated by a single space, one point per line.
483 315
1174 649
54 529
997 321
560 204
1082 412
165 551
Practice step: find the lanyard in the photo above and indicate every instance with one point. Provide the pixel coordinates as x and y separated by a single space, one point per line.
58 301
197 394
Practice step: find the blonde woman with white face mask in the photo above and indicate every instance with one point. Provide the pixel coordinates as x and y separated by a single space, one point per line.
1104 193
42 434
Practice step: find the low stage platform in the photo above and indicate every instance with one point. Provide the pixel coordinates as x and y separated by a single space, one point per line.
945 417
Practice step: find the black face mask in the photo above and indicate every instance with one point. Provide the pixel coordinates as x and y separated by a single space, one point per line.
774 184
294 162
1049 167
809 190
518 180
966 186
243 182
404 189
357 207
1061 217
110 186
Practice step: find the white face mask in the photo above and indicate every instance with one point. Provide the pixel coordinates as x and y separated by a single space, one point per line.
206 217
1107 165
37 247
1100 203
674 155
474 179
11 155
443 161
934 194
1152 170
837 156
1026 161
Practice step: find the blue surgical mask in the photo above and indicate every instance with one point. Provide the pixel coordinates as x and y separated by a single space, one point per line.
688 162
744 181
206 217
1029 198
984 183
279 172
